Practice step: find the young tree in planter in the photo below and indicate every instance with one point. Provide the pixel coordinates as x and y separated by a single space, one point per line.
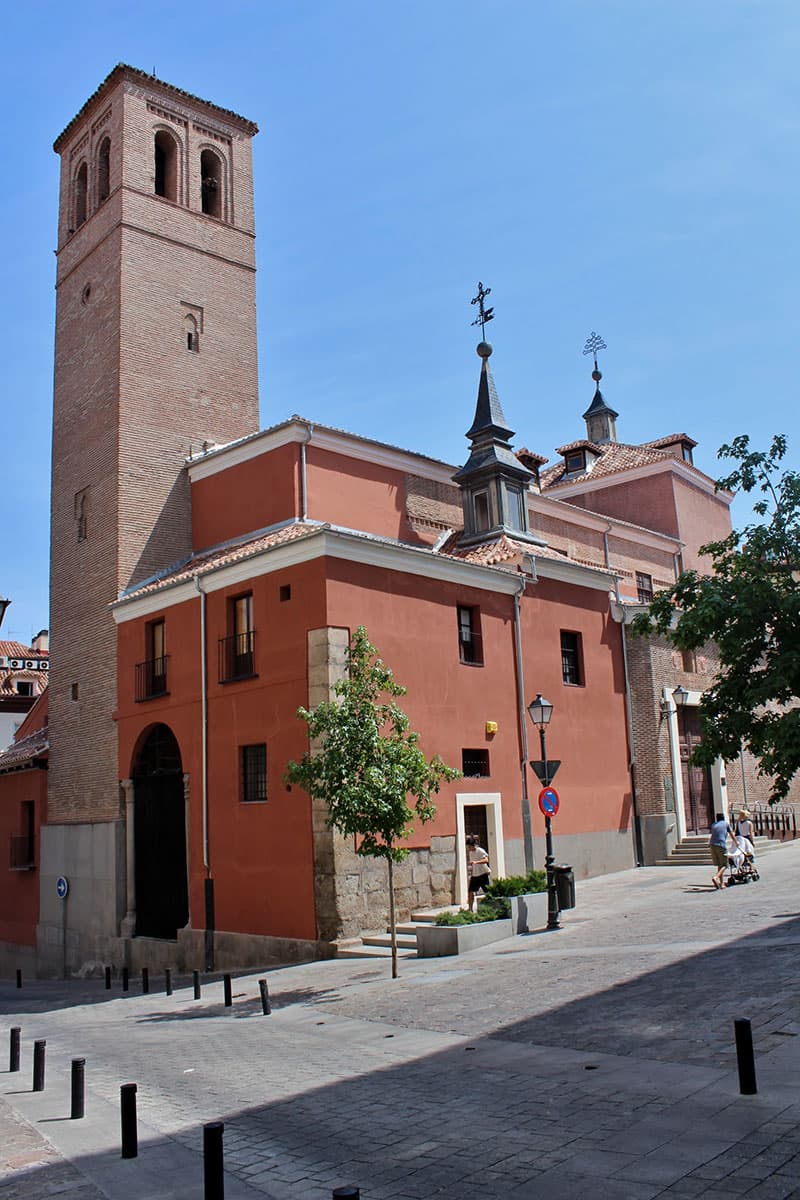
368 764
750 607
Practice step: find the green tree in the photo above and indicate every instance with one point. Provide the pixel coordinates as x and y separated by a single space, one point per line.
367 764
749 606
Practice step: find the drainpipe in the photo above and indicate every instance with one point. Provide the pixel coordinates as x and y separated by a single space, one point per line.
527 837
303 478
204 722
637 831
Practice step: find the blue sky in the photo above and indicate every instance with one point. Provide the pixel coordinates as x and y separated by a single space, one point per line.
614 165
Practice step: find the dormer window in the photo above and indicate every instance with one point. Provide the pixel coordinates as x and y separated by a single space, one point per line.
687 453
575 462
482 511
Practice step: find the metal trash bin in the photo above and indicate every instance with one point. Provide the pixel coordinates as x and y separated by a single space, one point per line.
565 885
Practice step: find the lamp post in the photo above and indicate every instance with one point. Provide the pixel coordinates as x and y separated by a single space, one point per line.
540 711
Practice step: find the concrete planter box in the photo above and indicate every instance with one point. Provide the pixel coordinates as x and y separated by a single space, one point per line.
436 941
528 912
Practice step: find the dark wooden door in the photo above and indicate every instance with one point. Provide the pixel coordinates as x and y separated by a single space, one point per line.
698 799
162 897
475 822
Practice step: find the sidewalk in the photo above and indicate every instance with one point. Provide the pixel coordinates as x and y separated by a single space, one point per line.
599 1058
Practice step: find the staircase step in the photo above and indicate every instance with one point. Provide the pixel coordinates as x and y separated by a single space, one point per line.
404 940
359 950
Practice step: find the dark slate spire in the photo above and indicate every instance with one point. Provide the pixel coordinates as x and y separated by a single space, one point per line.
600 417
493 481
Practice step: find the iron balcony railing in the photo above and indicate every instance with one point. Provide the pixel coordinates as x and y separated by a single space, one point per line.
151 678
21 852
237 656
775 820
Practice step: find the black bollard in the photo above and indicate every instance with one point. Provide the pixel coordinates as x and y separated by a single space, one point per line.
19 977
13 1050
38 1065
77 1081
108 979
124 979
196 978
168 981
265 1005
145 981
226 984
346 1193
213 1174
127 1110
745 1058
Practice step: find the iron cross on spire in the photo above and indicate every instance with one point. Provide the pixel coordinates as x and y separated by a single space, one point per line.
485 315
594 343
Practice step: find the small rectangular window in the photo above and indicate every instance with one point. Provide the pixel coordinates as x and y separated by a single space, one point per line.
254 774
575 462
475 764
482 517
688 661
237 650
644 587
286 591
571 656
74 691
470 645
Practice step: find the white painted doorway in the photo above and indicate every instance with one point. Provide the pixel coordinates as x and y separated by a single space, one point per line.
492 803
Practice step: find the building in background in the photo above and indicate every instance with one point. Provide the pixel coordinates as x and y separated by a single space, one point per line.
23 677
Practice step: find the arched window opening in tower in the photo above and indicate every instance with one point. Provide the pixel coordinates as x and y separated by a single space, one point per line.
103 170
192 333
211 183
80 194
166 165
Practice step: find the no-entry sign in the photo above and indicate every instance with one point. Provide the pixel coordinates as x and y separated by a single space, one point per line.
549 802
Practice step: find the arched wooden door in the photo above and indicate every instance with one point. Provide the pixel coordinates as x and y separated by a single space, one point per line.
162 900
698 797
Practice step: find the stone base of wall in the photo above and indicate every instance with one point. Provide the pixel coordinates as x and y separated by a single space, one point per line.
659 836
14 957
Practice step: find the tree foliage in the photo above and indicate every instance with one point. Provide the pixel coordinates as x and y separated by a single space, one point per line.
749 606
367 763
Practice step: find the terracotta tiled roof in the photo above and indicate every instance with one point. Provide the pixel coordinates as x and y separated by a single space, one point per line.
580 444
527 457
17 650
35 745
671 440
502 549
612 458
222 556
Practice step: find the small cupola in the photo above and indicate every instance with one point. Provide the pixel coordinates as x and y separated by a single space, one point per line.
600 417
493 481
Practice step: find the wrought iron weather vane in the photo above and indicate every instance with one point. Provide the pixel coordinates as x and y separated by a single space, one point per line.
594 342
485 315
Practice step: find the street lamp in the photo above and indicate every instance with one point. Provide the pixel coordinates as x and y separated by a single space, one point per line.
680 696
540 711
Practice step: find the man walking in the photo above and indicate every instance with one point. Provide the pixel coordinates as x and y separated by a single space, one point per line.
720 832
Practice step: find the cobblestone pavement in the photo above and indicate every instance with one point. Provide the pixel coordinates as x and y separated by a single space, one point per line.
600 1058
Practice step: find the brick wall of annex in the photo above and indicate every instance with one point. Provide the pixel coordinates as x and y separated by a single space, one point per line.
130 399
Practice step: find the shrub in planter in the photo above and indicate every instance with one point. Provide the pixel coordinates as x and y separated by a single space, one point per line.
518 885
491 909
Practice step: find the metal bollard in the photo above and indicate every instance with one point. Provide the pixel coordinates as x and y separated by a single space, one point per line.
124 979
108 979
213 1172
38 1065
265 1005
13 1050
145 981
745 1058
168 981
77 1088
127 1110
346 1193
196 978
226 983
19 978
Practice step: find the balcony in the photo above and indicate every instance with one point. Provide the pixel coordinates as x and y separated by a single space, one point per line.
21 852
151 678
237 656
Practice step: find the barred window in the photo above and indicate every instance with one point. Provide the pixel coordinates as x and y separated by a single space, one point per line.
254 773
571 664
475 764
470 646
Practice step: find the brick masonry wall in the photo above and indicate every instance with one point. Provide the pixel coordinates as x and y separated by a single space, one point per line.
130 399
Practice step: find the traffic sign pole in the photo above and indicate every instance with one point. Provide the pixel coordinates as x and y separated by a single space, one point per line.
548 803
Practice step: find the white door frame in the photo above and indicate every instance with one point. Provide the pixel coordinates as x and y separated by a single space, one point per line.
494 826
719 789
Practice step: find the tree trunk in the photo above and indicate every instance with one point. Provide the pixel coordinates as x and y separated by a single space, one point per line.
392 919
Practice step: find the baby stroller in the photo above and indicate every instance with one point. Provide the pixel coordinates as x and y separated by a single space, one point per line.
742 864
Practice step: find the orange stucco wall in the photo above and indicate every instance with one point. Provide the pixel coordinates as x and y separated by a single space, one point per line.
647 501
701 519
252 495
357 494
260 854
19 895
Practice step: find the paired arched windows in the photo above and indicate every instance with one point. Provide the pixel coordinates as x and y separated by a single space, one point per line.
169 171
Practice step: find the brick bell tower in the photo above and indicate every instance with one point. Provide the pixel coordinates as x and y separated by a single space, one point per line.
155 354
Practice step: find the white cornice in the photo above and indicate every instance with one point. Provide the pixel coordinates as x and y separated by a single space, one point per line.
333 543
347 444
551 506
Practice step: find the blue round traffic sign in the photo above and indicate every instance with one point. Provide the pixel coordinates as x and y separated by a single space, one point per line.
62 887
549 801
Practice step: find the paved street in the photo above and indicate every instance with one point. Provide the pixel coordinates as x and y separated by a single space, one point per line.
599 1059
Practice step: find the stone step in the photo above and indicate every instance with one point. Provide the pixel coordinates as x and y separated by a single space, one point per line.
359 950
408 941
694 851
